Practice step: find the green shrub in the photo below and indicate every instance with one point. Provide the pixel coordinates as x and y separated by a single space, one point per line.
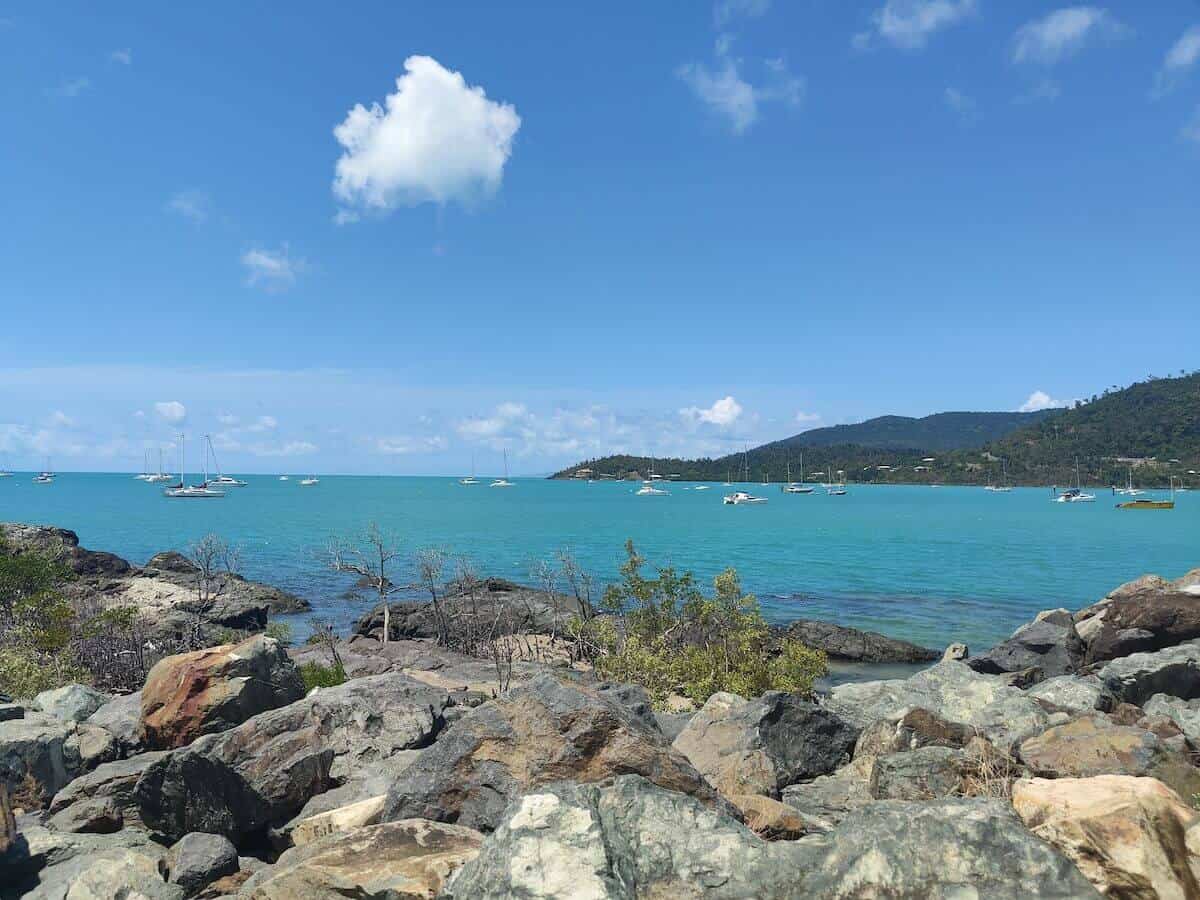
25 675
675 640
317 675
281 631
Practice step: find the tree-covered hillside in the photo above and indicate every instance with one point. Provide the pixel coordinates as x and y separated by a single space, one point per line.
939 432
1151 428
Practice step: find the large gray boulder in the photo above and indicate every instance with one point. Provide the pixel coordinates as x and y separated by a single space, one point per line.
39 755
1049 643
1142 616
197 859
53 862
243 781
760 746
71 703
1074 694
1138 677
830 798
121 717
927 773
112 782
943 849
1184 713
548 730
626 839
1004 715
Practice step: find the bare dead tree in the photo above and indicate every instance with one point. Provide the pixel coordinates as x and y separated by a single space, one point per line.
469 630
579 582
369 557
215 563
431 566
546 575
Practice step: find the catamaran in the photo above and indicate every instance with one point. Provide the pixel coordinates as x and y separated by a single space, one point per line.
503 482
199 491
1075 494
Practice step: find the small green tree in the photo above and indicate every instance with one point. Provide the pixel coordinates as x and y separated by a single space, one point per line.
672 639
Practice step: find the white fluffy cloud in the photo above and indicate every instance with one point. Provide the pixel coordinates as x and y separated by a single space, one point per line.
1180 59
724 90
171 411
908 24
1039 400
723 413
807 418
272 270
436 139
726 11
191 204
1063 33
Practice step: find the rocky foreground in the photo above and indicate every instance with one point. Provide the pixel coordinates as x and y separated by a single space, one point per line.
1060 763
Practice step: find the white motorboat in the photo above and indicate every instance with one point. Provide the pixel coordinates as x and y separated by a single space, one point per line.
649 490
701 487
199 491
310 481
283 478
503 482
739 498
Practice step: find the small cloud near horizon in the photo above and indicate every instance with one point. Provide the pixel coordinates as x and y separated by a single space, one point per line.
171 410
1038 401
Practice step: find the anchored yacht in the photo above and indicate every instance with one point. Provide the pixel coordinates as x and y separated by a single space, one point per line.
738 498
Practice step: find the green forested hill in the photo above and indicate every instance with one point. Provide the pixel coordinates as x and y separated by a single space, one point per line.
939 432
1152 427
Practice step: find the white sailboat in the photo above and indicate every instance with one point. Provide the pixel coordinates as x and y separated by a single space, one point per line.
471 479
4 471
222 480
283 478
144 475
791 487
648 489
160 475
310 481
503 482
1129 490
1003 487
837 488
46 476
199 491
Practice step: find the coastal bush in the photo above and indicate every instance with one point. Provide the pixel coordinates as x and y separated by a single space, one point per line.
316 675
281 631
666 635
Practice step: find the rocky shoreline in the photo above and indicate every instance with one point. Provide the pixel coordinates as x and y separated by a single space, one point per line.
1060 763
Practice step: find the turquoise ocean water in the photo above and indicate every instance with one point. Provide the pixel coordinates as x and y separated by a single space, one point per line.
930 565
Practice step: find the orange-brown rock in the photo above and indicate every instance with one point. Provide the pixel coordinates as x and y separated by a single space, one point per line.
213 690
1133 838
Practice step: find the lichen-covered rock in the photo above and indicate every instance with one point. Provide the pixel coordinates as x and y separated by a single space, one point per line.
910 730
1184 713
100 864
830 798
927 773
944 849
243 781
212 690
1049 643
1075 694
1129 836
762 745
71 702
1004 715
544 731
1095 746
1138 677
411 858
626 839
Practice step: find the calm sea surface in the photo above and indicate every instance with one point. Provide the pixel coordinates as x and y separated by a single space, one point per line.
930 565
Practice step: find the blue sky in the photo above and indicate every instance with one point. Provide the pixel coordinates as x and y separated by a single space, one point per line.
569 228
